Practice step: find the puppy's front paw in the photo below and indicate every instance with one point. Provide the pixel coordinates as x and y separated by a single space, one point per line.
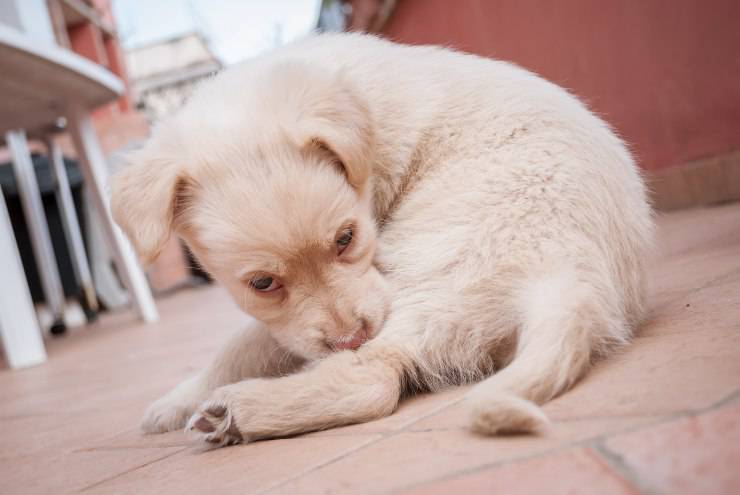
215 425
172 411
251 410
229 413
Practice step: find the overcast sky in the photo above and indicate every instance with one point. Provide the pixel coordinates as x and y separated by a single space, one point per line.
237 29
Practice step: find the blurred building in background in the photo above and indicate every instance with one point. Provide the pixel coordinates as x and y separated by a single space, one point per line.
664 74
164 73
87 28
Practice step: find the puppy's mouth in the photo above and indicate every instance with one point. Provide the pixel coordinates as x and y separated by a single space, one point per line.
353 340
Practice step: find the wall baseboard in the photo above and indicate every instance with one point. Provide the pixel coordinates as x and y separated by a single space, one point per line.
700 182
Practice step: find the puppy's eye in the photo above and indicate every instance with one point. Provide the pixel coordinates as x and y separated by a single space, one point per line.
264 284
344 240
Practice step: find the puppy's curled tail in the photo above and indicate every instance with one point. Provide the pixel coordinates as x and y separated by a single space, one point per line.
563 318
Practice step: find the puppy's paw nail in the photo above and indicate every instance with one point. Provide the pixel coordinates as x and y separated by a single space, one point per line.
204 425
216 411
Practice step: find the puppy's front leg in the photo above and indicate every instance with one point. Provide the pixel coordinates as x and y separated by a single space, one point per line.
348 387
250 353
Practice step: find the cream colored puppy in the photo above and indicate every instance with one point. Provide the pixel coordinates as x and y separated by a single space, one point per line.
397 218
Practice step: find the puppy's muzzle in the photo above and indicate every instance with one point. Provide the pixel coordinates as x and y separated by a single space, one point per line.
353 339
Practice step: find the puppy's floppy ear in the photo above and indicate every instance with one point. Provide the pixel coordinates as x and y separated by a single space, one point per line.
324 110
145 197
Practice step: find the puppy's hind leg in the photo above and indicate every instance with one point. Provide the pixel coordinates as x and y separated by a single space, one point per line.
563 318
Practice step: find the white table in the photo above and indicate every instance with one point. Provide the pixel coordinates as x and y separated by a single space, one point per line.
39 83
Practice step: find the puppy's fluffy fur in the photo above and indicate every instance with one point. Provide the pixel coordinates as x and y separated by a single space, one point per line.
498 230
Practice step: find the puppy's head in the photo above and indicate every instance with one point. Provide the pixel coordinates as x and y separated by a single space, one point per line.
266 176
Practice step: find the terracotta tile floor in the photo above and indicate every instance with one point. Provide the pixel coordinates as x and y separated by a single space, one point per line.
663 416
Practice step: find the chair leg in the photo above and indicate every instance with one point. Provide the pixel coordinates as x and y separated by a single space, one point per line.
33 210
71 226
93 168
108 285
19 329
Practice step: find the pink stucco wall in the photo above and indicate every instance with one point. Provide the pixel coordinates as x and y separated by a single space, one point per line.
664 73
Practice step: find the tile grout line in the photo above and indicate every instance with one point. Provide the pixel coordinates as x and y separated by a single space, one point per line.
319 466
382 436
617 463
404 429
718 280
728 399
158 459
588 442
126 447
429 414
592 442
585 442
